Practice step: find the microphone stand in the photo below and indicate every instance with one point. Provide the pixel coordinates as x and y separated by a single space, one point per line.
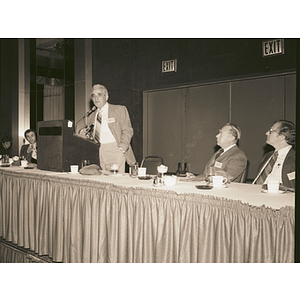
84 117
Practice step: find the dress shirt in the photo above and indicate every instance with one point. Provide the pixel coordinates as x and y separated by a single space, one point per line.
32 148
106 136
277 169
227 148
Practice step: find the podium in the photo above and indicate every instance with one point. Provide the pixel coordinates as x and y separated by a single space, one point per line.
59 147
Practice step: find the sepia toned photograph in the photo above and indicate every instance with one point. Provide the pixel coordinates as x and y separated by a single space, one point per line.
125 153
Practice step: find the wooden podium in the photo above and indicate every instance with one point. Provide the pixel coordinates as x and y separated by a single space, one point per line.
58 146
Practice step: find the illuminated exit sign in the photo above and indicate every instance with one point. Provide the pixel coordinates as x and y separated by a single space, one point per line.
272 47
169 66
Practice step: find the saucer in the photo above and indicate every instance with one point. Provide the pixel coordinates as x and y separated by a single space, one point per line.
279 192
224 186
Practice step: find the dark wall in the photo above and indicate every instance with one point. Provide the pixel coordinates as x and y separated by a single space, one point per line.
8 84
129 66
201 60
114 65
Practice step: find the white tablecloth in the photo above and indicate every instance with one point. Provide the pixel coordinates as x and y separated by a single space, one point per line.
246 193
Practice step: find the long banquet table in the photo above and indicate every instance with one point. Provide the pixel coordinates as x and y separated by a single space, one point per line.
81 218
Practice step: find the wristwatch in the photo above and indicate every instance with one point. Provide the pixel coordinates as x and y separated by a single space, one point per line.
122 150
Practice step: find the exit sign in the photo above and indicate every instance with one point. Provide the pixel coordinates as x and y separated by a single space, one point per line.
272 47
169 66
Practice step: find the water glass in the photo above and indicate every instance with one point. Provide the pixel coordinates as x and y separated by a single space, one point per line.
133 170
85 162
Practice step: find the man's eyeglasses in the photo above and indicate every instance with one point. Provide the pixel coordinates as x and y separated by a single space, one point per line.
94 96
272 130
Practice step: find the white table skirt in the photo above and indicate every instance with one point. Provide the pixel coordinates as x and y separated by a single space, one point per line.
75 218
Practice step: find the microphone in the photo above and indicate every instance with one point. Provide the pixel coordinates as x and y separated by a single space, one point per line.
84 116
90 111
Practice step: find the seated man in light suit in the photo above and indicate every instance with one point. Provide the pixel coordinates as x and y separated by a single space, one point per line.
229 161
111 127
279 164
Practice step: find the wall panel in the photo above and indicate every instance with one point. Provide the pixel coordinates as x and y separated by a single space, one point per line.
182 124
207 110
290 97
164 115
256 104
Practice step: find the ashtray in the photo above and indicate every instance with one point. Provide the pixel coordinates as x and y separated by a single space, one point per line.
181 175
204 187
147 177
5 165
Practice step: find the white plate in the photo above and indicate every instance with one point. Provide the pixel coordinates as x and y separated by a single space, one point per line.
279 192
72 173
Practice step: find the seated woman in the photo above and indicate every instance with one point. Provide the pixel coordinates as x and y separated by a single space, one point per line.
29 151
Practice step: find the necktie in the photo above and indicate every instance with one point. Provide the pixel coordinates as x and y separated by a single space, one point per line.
211 169
261 177
218 154
98 126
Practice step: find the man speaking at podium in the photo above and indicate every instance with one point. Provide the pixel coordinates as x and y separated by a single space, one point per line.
109 125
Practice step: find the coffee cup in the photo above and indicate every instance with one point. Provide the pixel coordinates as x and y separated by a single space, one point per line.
218 181
142 171
24 163
273 186
74 168
170 180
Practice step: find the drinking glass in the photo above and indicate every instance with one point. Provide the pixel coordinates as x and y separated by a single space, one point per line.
85 162
134 169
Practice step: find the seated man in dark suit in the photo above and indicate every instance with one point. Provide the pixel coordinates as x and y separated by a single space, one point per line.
229 161
279 164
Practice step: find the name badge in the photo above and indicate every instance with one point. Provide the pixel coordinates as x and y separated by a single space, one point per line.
110 120
218 164
291 176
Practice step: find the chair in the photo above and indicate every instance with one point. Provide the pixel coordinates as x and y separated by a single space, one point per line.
151 163
245 173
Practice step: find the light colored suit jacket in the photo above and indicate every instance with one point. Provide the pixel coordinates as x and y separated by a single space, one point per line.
233 162
120 126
